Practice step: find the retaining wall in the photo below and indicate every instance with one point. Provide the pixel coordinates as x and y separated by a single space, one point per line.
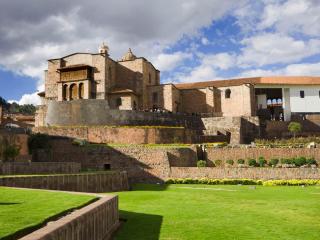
91 182
96 221
122 135
10 168
18 139
143 164
279 129
94 112
248 173
268 153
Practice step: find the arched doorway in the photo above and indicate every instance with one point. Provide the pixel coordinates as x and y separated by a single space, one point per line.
64 92
73 91
81 90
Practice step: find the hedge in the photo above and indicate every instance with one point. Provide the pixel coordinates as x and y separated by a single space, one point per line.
293 182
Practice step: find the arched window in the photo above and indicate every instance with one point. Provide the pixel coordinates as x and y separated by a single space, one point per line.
269 102
118 101
279 101
81 90
73 91
227 93
64 92
274 101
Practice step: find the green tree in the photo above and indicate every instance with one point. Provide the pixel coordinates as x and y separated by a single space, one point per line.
294 128
11 152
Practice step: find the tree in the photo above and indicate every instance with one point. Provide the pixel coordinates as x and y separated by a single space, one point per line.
11 152
294 128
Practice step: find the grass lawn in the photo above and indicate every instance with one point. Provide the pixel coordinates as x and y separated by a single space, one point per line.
21 210
220 212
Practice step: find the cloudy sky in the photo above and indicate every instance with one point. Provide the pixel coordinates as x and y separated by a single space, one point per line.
188 40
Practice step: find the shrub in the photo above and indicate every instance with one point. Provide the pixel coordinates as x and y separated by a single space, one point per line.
286 161
218 163
252 162
240 161
294 127
307 182
299 161
201 163
230 162
38 141
291 182
262 161
214 181
274 162
311 161
11 152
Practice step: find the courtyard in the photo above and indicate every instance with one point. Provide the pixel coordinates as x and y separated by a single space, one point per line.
239 212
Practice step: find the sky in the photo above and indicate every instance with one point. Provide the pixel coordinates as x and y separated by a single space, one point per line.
187 40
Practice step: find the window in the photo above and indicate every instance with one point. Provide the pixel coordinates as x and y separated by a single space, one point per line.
106 166
150 78
301 94
81 90
228 93
118 102
319 94
64 92
155 97
73 91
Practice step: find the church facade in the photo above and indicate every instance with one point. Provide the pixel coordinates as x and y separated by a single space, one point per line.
133 83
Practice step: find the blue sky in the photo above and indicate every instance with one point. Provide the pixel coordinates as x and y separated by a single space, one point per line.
188 41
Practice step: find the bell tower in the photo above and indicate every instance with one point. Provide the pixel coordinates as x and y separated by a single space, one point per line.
104 49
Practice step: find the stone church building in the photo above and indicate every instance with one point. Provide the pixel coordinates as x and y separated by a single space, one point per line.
133 83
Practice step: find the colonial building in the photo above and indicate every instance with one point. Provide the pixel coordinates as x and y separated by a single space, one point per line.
133 83
123 84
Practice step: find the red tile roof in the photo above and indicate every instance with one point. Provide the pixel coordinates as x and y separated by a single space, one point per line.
254 80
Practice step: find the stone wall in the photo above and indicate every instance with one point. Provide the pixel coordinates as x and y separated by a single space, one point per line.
240 101
268 153
9 168
93 112
18 139
91 182
279 129
123 135
96 221
236 129
247 173
143 164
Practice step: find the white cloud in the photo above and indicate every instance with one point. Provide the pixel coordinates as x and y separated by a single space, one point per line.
221 61
301 69
205 41
292 16
198 74
167 62
271 48
46 30
209 65
32 98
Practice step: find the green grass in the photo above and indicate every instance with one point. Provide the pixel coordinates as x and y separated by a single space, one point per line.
22 211
220 212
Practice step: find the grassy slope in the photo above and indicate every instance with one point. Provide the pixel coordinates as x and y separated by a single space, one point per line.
180 212
20 209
